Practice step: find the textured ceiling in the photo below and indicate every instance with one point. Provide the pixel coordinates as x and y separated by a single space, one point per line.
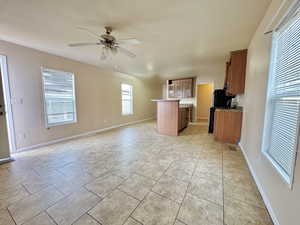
178 38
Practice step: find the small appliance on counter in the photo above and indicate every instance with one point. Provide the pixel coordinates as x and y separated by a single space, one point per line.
221 100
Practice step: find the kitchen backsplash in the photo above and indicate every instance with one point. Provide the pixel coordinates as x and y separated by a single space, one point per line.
188 101
240 100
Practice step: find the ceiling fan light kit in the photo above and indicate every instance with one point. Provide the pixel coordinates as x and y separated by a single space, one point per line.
110 45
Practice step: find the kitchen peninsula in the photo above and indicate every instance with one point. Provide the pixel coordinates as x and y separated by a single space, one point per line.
171 116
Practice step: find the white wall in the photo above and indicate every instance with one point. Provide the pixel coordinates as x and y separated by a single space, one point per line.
97 92
284 203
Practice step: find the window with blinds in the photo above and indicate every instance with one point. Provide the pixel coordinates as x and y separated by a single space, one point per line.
280 142
59 97
127 99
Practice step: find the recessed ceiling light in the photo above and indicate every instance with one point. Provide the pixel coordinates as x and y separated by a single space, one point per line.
149 66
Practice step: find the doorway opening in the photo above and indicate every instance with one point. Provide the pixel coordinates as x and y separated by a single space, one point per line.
7 131
204 101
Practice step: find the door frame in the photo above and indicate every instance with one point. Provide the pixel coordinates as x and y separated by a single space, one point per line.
211 104
8 104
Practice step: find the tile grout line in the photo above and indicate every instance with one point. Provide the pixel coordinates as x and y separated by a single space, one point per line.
11 215
28 192
185 194
134 220
237 199
51 217
172 162
250 204
63 197
119 189
102 198
180 221
92 217
156 181
207 200
165 197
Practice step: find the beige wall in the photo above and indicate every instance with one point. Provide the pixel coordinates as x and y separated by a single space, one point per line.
283 201
97 94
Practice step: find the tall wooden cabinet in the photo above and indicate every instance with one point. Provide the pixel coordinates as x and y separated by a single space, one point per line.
180 88
236 72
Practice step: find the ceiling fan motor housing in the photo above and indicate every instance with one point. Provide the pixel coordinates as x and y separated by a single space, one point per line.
108 29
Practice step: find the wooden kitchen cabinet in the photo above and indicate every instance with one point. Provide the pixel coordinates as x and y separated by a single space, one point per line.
228 125
180 88
236 72
171 117
183 118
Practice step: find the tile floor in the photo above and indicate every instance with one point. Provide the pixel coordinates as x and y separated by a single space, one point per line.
131 176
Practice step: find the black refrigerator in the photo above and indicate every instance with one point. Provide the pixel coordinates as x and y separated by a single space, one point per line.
220 101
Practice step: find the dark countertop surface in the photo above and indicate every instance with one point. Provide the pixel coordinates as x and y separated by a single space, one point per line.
165 100
237 109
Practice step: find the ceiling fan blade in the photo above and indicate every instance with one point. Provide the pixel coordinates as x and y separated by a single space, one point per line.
89 31
84 44
126 52
104 54
130 41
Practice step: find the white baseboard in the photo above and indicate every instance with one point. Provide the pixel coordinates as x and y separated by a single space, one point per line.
80 135
260 188
6 160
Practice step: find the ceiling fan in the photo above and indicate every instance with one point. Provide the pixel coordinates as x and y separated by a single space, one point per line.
110 45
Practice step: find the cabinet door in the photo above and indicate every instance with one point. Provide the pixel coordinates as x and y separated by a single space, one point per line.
227 126
226 75
187 88
237 72
171 91
219 125
178 88
229 84
184 88
189 84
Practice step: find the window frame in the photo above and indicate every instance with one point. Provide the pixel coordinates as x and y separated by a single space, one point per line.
289 18
47 125
132 101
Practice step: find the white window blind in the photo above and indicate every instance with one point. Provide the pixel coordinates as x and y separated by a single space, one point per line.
127 99
59 97
283 101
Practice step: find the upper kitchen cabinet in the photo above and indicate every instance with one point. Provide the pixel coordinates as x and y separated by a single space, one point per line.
180 88
236 72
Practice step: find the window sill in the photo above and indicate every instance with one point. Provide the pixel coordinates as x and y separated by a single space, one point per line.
288 180
48 126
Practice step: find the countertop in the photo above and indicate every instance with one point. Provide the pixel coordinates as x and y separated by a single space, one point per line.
165 100
173 100
237 109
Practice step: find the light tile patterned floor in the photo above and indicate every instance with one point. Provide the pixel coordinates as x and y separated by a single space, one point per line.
131 176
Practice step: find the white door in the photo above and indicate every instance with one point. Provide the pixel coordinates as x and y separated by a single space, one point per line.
4 141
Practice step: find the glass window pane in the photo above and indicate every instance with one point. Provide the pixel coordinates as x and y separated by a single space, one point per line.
59 97
127 99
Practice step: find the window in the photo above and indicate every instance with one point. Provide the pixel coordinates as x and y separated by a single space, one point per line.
59 97
280 141
127 99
